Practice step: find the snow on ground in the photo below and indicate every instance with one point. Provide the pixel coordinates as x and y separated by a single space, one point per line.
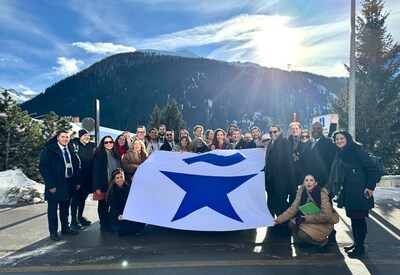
16 188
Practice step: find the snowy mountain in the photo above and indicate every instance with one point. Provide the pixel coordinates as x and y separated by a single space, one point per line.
19 97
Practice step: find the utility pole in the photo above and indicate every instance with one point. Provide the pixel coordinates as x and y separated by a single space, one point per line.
97 122
352 80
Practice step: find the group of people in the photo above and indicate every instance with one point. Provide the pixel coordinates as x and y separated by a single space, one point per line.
323 168
326 168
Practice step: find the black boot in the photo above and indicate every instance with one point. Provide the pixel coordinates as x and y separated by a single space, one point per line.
359 248
354 229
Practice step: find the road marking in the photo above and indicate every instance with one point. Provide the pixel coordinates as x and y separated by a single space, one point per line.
384 226
159 265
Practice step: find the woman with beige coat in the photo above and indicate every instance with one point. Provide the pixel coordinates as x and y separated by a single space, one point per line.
312 229
135 156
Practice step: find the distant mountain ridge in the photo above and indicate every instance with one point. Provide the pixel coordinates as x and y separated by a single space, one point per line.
210 92
183 53
19 97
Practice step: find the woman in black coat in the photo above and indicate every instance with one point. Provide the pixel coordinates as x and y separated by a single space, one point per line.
106 160
354 172
117 196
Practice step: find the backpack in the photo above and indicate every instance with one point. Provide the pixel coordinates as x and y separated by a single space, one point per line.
379 166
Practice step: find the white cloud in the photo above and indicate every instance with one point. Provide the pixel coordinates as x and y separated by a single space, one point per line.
67 66
103 48
201 7
26 90
267 40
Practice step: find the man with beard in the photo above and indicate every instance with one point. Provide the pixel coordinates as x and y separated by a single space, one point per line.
161 134
256 133
169 142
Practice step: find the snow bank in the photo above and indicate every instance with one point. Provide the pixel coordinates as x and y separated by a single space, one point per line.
16 188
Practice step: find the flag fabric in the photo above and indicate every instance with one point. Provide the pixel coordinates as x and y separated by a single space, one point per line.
221 190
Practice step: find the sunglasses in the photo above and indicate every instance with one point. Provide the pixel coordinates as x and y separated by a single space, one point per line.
273 132
108 142
305 136
168 135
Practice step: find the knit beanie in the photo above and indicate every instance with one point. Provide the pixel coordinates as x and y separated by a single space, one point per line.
82 132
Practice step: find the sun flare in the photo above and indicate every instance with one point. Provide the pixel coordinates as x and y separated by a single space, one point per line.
276 44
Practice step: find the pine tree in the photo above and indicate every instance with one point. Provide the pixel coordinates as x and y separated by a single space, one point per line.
377 85
155 118
20 138
172 117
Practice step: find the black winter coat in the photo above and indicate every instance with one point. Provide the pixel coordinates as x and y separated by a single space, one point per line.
166 146
100 172
85 153
52 169
117 199
359 173
244 144
279 167
318 160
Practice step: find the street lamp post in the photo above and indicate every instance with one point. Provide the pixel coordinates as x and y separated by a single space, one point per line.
352 84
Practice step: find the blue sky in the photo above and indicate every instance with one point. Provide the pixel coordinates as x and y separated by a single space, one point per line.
44 41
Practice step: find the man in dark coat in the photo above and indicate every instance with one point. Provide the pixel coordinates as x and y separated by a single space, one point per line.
319 156
84 149
239 142
294 139
279 182
169 141
59 167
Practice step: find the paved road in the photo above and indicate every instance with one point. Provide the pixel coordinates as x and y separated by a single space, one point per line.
25 247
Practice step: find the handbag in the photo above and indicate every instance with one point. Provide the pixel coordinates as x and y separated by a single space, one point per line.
99 197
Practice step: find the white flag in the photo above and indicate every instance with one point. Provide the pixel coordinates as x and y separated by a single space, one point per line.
221 190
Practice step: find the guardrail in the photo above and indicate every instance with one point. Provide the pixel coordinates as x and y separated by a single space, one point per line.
389 181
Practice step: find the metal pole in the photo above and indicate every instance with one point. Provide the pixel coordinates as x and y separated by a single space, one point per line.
97 124
352 80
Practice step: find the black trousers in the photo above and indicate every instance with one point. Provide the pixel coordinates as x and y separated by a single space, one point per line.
52 215
103 211
277 203
78 203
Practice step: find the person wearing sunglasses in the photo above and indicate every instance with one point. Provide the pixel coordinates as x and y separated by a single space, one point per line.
169 142
280 181
106 160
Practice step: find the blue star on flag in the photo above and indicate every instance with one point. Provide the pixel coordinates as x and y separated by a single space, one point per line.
208 191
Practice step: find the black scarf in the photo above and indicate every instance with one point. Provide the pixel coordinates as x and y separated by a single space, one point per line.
316 197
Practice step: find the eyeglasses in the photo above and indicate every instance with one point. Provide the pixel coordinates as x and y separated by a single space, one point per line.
168 135
305 136
273 132
108 142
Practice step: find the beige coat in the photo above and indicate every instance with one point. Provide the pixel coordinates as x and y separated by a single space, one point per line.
319 226
130 161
